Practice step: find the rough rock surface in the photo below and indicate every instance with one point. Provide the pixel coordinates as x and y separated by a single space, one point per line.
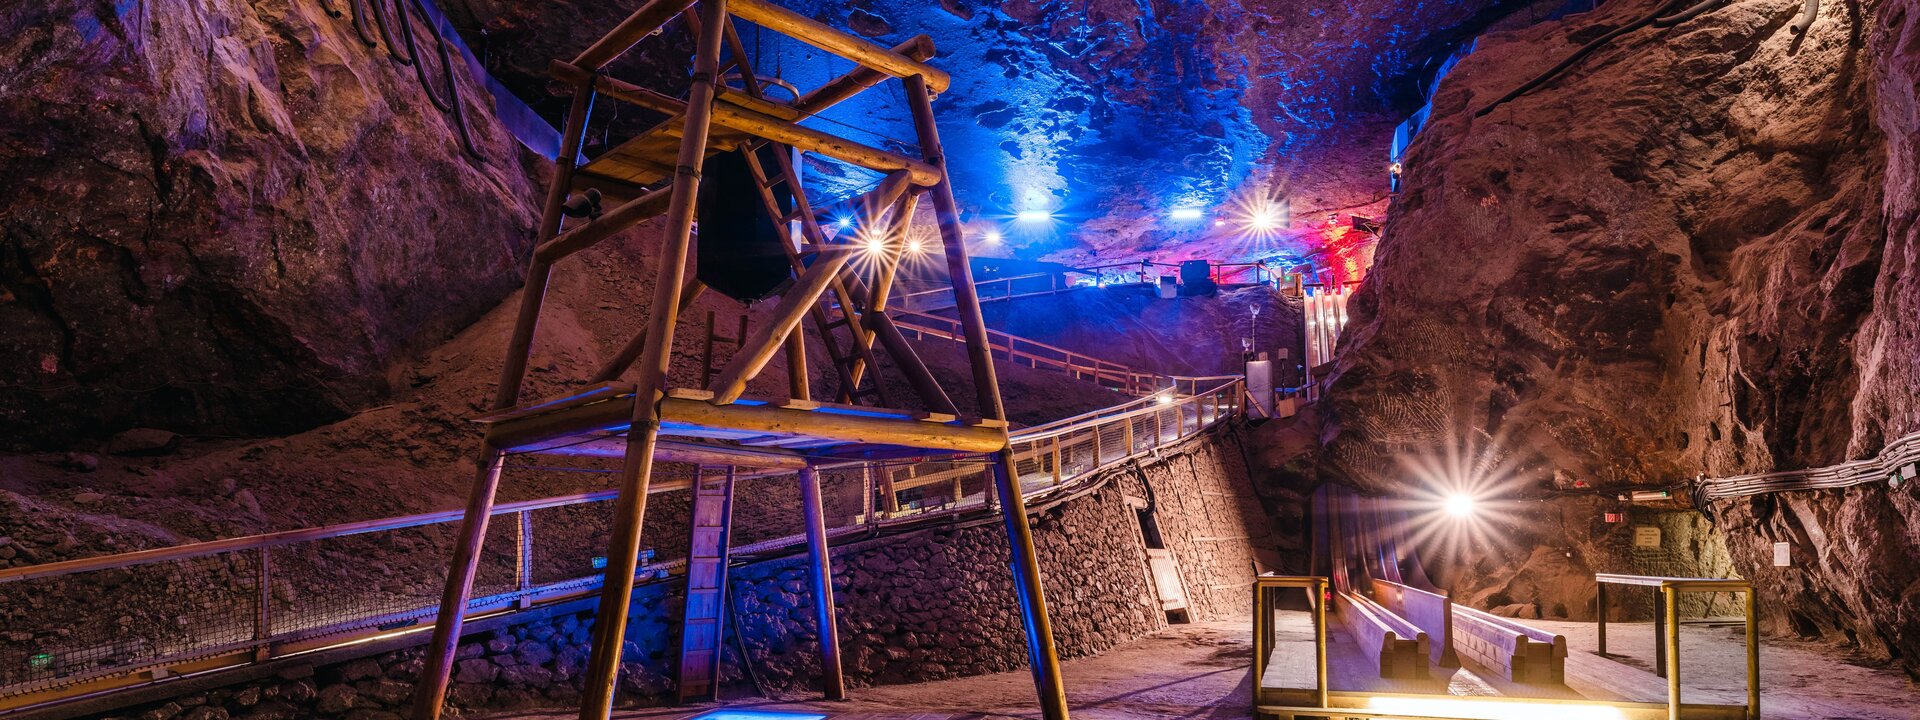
231 217
1693 252
1109 113
1195 336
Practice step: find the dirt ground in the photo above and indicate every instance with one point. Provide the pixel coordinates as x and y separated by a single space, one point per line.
1797 679
1199 672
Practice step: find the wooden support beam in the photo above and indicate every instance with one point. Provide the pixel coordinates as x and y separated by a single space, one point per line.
620 361
922 380
627 215
796 350
431 689
1042 659
821 565
623 548
681 451
918 48
734 117
827 424
838 42
643 22
767 339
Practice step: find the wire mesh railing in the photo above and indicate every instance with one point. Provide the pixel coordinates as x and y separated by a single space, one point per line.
102 622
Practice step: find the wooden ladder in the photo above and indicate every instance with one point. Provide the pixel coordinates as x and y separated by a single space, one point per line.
707 370
703 619
854 360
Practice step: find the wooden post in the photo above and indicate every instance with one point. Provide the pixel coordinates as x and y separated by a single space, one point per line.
831 683
1672 648
1319 591
1753 657
1600 604
1659 633
796 350
1041 656
431 689
623 551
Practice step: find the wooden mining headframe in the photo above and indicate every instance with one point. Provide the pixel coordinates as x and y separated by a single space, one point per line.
658 173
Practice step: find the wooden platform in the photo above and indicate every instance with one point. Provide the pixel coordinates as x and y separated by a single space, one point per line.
1355 682
746 432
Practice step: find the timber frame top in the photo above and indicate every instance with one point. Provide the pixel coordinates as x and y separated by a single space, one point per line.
742 117
846 301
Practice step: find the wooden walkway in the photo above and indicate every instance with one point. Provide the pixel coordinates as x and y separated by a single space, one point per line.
1350 674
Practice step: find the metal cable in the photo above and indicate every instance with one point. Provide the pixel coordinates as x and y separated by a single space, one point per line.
1579 54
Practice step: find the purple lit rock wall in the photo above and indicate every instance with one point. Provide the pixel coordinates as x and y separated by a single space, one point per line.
231 216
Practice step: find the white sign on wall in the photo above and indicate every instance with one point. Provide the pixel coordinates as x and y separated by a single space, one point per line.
1646 536
1783 554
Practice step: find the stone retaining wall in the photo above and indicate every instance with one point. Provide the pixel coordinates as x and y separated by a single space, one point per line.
923 605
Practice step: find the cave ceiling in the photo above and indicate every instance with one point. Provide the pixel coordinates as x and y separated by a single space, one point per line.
1108 114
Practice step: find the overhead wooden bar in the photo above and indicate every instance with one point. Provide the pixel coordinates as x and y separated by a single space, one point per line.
643 22
734 117
627 215
817 420
684 451
771 420
837 41
918 47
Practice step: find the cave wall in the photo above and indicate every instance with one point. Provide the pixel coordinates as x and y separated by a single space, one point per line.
1131 325
1692 253
232 217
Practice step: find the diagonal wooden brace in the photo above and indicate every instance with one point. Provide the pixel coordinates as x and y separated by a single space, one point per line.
771 335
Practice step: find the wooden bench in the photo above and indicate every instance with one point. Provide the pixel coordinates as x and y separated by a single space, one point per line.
1395 645
1430 612
1520 653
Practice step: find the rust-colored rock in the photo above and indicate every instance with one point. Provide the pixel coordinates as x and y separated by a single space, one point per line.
231 217
1691 253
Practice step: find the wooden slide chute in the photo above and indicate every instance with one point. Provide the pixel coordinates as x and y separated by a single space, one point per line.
627 409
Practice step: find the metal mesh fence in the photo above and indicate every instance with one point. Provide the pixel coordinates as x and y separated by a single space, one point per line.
252 594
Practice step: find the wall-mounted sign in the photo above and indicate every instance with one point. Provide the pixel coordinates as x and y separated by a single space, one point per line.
1646 536
1783 554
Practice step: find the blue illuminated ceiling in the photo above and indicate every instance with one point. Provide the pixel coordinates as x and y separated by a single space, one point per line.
1109 114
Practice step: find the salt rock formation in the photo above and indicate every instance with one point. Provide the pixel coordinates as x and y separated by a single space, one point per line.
232 216
1693 252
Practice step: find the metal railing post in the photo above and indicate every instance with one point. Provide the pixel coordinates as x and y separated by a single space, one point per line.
1056 459
523 570
263 618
